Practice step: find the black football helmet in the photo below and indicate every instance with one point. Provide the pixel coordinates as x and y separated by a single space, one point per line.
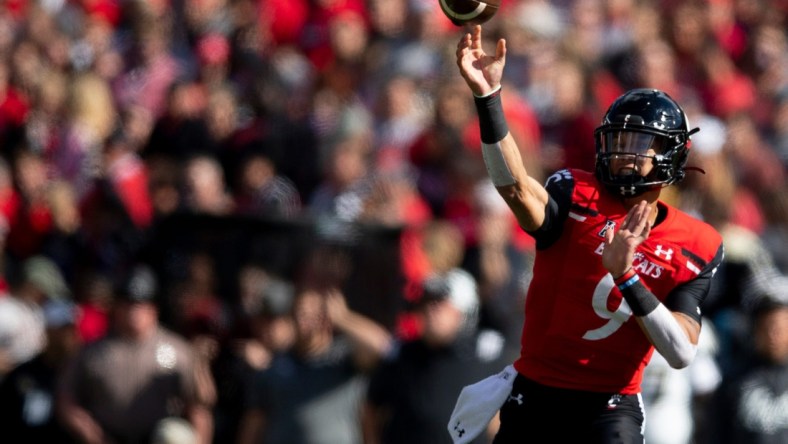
639 120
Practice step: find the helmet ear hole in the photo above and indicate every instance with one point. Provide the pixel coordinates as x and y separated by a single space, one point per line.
666 174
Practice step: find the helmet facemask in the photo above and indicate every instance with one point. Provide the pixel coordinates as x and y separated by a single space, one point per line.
642 144
633 162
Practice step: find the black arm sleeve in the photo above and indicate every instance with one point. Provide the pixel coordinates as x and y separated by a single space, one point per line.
560 187
688 297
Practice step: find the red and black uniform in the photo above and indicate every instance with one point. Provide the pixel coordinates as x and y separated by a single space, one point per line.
580 341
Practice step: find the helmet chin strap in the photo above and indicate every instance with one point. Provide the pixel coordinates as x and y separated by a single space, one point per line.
694 168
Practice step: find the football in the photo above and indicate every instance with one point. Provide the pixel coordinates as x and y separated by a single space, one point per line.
469 12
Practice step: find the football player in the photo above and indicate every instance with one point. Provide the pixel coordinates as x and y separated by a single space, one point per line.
618 273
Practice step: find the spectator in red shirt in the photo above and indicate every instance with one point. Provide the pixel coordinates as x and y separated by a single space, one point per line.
33 220
128 175
13 110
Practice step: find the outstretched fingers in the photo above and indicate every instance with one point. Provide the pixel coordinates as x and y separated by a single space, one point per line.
620 245
465 41
500 51
642 220
636 222
463 48
476 37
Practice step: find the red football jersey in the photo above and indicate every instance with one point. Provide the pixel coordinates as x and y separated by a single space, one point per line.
578 332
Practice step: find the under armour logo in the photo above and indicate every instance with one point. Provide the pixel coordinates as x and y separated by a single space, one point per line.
460 431
518 398
628 191
668 253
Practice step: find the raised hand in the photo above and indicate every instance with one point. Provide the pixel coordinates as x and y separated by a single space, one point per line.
336 305
620 245
482 72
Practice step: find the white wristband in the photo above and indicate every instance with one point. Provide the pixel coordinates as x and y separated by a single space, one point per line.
491 92
496 165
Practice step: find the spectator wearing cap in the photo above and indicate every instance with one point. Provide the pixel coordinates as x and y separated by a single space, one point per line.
752 406
268 331
411 397
27 394
272 327
312 393
121 387
22 325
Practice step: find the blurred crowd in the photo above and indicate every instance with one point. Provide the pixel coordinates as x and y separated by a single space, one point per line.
119 116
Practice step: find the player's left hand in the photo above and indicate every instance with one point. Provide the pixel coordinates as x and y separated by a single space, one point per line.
620 245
